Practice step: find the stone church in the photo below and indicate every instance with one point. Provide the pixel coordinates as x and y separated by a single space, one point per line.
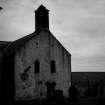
35 66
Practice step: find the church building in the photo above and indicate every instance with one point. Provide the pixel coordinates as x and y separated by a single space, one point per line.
36 66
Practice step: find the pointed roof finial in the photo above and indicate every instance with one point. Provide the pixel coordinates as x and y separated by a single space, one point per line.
41 8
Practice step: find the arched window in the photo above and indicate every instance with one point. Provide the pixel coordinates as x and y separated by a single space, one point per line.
37 66
53 66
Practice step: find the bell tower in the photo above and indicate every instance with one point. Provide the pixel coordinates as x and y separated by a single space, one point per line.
42 17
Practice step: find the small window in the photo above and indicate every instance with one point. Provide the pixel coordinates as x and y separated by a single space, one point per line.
37 66
37 44
53 66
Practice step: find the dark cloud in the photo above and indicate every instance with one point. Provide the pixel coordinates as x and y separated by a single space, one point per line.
78 24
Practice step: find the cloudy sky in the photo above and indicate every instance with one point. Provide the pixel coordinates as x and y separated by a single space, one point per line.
78 24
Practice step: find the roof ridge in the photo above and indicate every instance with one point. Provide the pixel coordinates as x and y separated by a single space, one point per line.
12 47
19 42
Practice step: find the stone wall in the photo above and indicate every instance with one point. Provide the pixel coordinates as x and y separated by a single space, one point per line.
43 48
1 55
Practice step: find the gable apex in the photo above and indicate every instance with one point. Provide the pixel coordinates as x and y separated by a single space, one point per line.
15 45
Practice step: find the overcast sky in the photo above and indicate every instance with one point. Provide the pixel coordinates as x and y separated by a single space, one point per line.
78 24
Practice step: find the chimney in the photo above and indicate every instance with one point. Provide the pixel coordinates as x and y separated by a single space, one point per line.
42 17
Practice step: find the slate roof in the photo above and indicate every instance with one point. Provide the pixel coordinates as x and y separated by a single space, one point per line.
3 45
15 45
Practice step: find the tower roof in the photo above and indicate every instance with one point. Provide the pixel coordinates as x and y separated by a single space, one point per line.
42 8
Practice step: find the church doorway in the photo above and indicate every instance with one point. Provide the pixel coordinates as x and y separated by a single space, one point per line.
50 89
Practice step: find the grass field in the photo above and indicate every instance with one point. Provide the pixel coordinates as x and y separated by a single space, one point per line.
92 100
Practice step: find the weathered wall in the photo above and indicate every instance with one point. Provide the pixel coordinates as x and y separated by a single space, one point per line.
0 59
63 66
44 48
1 55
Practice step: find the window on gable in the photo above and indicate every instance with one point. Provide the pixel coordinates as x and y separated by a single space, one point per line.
37 66
53 68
